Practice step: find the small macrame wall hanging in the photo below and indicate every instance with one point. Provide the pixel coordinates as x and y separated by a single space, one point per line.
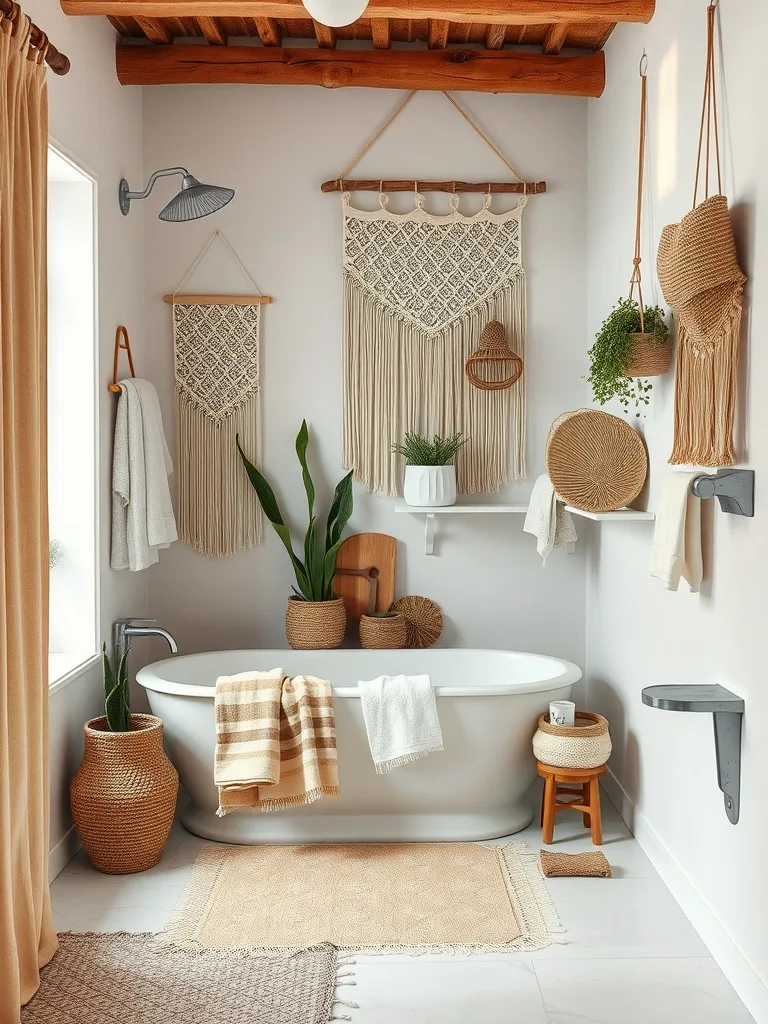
701 280
216 366
419 291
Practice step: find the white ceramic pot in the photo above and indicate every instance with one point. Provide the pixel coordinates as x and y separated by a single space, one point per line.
430 485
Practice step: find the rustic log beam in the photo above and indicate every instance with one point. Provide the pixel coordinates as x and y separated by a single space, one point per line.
486 12
325 36
213 31
155 31
380 33
529 188
467 69
437 38
495 36
554 40
268 31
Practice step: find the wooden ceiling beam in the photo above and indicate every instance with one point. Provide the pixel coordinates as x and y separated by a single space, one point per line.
325 36
437 38
495 36
155 31
268 31
486 12
554 40
213 31
380 33
470 70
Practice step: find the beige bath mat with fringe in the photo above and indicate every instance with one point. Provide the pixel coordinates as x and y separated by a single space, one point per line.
368 898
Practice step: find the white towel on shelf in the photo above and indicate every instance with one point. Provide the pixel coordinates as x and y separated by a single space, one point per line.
548 519
676 552
142 513
400 715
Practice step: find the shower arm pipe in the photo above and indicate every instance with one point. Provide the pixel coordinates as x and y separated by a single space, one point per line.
164 173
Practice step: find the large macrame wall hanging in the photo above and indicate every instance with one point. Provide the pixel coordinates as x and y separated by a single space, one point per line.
419 289
701 280
216 361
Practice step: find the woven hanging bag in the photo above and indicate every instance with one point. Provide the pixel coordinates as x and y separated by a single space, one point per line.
502 367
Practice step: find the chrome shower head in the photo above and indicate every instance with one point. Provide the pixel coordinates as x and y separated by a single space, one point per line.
193 201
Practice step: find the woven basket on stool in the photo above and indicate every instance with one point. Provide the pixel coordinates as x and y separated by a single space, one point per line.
596 461
315 625
646 357
123 795
586 744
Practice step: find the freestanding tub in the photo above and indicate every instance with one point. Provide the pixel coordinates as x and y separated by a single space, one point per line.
488 702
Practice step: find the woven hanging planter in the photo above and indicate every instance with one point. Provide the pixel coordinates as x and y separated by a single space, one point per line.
123 795
315 625
646 357
501 367
596 461
586 744
423 620
383 632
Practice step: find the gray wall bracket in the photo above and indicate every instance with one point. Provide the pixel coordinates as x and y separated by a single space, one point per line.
727 710
733 488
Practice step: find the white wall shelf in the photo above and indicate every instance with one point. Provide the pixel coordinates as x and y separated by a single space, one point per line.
430 511
627 515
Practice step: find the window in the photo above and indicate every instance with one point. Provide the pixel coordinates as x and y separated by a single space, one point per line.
72 405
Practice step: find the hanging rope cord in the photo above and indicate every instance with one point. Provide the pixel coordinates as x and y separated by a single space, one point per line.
708 128
201 254
636 280
396 113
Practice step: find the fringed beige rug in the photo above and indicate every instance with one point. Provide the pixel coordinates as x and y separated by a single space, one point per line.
409 898
95 979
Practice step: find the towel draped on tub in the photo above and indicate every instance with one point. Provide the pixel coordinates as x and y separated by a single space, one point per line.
275 741
401 720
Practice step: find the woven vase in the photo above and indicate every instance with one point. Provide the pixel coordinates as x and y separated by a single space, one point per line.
586 744
123 795
315 625
646 358
383 632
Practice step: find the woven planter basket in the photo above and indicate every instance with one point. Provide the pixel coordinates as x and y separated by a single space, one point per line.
382 632
646 357
123 795
596 461
315 625
587 744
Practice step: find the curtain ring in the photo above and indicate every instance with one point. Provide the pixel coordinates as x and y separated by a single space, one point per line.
644 65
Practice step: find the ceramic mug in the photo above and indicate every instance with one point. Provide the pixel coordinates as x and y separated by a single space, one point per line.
562 712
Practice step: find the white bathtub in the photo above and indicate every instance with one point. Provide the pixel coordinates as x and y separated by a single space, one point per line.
488 702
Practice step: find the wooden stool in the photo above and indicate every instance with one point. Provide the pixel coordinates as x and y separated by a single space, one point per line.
563 780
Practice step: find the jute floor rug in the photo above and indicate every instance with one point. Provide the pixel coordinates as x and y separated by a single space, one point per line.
97 979
369 898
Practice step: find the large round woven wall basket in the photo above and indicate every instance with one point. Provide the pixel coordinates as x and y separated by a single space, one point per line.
586 744
596 461
646 357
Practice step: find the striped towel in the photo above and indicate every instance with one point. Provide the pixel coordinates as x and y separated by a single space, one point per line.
275 741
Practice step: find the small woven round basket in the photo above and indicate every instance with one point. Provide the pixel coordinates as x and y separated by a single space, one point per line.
123 795
384 632
596 461
586 744
646 357
315 625
423 620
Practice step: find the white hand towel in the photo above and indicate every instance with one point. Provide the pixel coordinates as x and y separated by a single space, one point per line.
676 550
548 519
400 715
142 514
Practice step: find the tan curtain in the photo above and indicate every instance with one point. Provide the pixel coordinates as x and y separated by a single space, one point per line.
27 938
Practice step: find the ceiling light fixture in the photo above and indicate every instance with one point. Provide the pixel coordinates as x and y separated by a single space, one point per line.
335 13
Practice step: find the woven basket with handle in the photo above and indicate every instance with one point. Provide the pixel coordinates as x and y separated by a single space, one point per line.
500 365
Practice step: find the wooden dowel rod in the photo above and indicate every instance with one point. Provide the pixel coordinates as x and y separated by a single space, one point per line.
217 300
55 59
530 188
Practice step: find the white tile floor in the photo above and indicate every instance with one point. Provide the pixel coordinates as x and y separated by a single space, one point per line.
631 955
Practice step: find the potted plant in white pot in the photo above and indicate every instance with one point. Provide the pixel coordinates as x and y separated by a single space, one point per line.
430 475
315 618
123 795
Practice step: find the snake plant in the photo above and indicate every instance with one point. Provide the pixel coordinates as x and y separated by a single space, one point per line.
117 702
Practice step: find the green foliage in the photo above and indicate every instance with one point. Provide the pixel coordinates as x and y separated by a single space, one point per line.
314 575
117 698
611 353
419 451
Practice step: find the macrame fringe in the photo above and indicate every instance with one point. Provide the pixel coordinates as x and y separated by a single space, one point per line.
219 513
397 762
398 378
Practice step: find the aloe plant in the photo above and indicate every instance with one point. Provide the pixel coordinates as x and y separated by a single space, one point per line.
117 702
314 575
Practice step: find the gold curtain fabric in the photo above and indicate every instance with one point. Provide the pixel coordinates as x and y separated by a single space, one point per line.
27 938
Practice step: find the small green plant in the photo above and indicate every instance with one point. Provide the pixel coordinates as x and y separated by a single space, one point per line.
382 615
419 451
117 697
314 575
612 349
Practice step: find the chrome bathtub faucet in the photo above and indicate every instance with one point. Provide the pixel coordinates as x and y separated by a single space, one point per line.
124 630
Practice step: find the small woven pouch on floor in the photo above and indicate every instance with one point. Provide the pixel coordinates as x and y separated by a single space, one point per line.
581 865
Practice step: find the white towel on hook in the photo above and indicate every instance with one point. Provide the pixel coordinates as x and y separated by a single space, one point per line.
142 513
676 552
548 519
401 720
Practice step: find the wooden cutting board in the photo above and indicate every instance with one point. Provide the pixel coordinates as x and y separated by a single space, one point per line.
363 552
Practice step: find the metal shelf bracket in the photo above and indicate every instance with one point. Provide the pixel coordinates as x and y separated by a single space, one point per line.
733 488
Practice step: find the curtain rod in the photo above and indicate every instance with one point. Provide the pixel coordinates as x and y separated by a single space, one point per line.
56 61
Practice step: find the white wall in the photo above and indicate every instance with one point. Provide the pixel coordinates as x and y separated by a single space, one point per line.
639 634
275 147
97 123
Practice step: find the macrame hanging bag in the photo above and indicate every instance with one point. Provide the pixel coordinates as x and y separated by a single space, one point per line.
419 289
701 280
216 365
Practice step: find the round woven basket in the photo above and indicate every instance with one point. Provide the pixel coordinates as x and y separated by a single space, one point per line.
123 795
383 632
646 357
586 744
501 366
423 620
315 625
596 461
